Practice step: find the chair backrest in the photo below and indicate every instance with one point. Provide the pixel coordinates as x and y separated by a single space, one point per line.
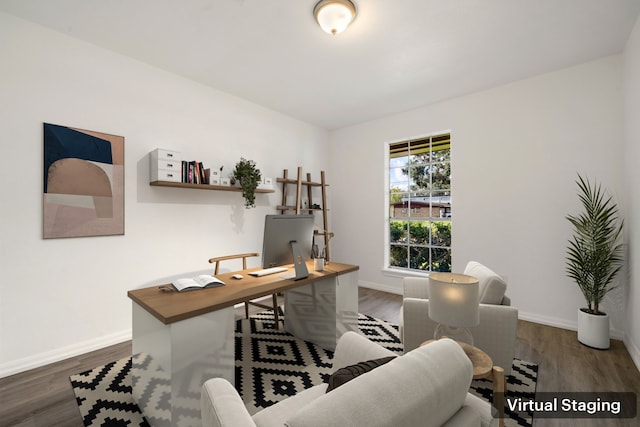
244 257
492 287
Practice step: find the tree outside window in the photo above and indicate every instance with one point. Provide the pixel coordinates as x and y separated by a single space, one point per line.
420 204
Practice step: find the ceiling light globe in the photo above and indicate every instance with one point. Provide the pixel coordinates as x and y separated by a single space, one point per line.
334 16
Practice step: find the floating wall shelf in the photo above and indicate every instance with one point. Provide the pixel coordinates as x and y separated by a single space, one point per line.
204 186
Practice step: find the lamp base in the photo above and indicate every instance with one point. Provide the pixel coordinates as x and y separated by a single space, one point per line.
453 332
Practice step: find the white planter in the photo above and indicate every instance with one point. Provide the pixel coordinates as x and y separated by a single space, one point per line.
593 330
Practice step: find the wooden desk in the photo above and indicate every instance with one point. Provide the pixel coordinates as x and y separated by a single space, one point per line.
182 339
169 307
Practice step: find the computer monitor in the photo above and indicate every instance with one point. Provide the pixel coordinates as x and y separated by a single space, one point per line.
279 232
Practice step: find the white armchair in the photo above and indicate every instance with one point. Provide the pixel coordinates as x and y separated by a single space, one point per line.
496 333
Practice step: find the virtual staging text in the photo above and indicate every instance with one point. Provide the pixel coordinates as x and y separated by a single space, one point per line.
576 405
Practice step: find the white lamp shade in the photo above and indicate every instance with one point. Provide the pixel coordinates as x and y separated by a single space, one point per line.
334 16
453 299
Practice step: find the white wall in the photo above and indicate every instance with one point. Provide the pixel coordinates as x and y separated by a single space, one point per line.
632 179
62 297
516 150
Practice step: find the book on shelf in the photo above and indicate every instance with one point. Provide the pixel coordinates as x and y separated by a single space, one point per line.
202 281
202 175
193 172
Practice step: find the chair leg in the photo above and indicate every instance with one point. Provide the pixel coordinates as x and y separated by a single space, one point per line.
246 309
275 311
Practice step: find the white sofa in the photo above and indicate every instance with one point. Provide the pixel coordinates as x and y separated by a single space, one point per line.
426 387
496 333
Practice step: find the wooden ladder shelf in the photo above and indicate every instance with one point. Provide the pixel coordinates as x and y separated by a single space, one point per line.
310 207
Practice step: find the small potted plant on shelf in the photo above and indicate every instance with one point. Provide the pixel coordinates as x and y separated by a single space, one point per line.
249 177
594 258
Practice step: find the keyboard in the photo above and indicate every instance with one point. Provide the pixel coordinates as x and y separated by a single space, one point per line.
267 271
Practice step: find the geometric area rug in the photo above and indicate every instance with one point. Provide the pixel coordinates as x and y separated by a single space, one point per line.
270 366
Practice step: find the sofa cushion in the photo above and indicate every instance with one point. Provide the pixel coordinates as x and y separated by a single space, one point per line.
424 387
346 374
491 286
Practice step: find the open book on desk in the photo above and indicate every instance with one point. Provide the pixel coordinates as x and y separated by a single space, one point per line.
202 281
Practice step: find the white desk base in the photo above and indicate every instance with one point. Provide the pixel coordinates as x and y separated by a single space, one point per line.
322 311
171 362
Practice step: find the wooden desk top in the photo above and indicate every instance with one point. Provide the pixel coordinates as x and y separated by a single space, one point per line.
170 307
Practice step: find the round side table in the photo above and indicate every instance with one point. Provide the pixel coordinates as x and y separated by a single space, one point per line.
482 363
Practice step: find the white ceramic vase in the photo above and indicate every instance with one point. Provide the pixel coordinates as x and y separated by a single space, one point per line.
593 330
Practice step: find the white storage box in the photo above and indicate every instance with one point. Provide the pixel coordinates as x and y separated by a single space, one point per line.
165 165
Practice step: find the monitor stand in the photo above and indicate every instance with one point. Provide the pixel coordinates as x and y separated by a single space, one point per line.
299 263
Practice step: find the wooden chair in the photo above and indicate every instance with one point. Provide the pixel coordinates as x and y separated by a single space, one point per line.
244 257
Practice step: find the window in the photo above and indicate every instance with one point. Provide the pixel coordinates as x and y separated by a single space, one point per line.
419 214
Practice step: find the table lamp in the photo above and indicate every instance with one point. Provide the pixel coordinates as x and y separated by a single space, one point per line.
453 303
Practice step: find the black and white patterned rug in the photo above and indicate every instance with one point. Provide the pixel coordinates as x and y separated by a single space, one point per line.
270 366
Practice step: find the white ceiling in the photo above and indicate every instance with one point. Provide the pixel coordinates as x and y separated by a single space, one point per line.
397 54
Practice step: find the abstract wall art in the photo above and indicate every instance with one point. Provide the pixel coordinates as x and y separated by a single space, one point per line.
83 183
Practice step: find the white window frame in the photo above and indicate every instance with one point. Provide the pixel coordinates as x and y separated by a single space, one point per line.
386 268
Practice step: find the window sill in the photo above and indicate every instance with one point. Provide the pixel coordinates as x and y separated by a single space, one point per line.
394 272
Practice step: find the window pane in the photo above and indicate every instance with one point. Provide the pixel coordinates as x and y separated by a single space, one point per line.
398 256
419 258
441 260
398 231
419 233
441 176
397 202
398 162
419 160
441 233
420 177
441 204
398 180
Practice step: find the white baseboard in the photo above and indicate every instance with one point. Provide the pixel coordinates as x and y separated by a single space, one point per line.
547 320
633 350
562 323
42 359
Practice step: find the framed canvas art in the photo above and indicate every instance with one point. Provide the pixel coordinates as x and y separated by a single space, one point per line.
83 183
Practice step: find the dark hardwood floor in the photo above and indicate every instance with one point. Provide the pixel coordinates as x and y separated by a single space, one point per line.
43 397
565 365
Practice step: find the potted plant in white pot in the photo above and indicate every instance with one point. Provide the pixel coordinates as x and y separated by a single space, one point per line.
249 177
594 258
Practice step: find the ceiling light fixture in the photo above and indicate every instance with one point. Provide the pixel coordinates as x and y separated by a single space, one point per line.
334 16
